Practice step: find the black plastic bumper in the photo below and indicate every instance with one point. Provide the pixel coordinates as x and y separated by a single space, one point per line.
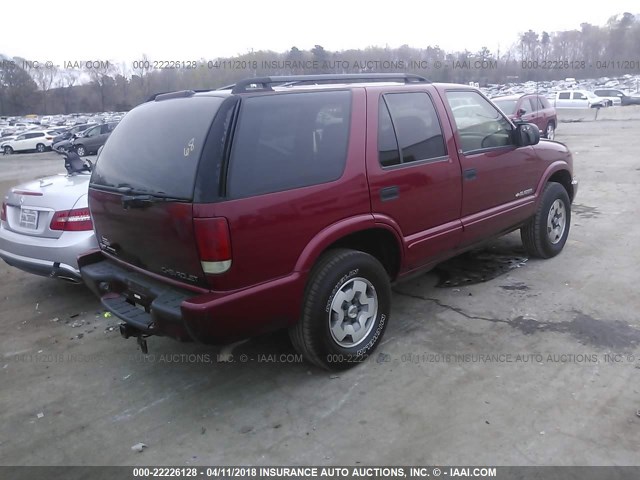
149 306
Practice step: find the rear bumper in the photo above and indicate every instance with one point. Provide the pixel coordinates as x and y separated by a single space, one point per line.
49 257
155 307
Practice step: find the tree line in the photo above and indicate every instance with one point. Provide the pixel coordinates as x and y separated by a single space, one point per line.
590 52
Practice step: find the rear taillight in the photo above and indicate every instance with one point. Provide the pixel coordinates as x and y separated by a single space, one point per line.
3 213
48 138
78 220
214 244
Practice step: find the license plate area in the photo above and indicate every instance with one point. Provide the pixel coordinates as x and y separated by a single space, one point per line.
138 296
29 218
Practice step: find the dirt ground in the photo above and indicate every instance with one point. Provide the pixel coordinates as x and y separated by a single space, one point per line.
537 366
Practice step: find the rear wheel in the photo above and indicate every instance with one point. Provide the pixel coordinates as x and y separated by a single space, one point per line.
81 151
40 148
546 233
550 131
345 310
8 150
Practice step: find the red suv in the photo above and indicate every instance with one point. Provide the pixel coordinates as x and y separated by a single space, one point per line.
530 108
294 202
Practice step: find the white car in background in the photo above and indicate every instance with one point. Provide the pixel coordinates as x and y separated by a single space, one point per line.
28 141
579 99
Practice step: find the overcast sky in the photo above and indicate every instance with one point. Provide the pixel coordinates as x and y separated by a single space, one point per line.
120 30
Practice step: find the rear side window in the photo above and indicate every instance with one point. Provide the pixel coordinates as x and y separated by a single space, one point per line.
530 104
543 103
413 119
565 96
157 146
289 141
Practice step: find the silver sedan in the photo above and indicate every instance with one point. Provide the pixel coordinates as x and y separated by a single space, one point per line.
45 224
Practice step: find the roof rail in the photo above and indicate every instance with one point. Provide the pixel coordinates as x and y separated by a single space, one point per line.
264 83
174 94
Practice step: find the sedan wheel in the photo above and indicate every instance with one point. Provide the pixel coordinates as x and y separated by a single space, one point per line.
550 132
8 150
80 150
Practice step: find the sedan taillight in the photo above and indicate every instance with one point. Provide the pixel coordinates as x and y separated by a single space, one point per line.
3 213
77 220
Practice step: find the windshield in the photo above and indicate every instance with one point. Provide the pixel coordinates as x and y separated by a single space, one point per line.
156 147
507 106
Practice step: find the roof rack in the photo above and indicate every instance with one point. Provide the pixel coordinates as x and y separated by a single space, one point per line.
265 83
174 94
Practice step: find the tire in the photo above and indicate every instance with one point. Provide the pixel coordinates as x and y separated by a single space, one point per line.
550 131
545 234
40 148
318 335
81 151
8 150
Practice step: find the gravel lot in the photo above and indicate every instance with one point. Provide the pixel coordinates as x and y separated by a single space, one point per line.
539 365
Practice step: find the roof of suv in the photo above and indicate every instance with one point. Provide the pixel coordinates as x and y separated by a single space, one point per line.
305 83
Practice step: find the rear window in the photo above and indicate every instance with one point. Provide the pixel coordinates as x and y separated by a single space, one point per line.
289 141
156 147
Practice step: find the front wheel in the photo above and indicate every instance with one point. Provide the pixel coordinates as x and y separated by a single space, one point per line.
545 234
81 151
8 150
345 310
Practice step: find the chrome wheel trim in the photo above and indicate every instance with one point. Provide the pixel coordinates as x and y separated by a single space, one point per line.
556 221
353 312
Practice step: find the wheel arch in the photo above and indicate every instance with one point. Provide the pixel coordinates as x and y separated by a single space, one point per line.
363 234
558 172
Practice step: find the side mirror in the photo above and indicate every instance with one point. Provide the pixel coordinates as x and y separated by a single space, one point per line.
527 134
520 112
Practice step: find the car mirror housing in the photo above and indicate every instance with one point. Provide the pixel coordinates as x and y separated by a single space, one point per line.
520 112
527 134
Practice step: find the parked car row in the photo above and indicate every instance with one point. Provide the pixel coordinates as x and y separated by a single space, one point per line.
628 85
388 178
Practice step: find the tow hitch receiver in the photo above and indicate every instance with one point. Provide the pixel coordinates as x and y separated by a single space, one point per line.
142 342
127 331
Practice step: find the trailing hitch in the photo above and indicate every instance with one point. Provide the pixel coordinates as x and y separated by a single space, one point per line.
127 331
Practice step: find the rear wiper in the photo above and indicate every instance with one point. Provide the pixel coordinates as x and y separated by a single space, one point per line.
146 200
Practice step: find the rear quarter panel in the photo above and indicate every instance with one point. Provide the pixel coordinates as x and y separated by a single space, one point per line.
270 232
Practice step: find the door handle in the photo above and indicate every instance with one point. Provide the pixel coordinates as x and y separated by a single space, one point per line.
389 193
470 174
